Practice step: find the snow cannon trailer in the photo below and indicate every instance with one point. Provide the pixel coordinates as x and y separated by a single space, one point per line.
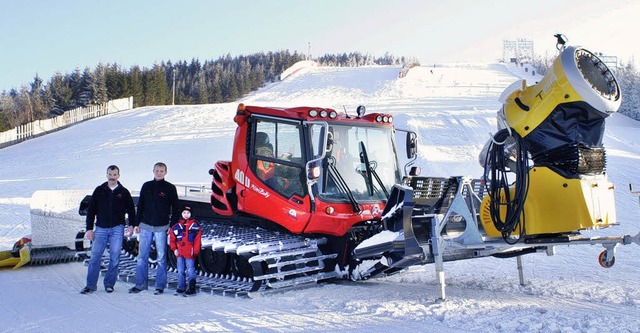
58 226
557 125
57 231
311 194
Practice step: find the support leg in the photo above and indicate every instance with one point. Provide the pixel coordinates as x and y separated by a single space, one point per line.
440 275
436 249
520 270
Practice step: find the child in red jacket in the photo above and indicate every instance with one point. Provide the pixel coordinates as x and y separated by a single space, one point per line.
185 242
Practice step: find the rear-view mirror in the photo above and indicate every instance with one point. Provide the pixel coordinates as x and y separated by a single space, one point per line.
412 144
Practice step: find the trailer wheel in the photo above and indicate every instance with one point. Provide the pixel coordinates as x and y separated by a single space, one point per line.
602 260
80 241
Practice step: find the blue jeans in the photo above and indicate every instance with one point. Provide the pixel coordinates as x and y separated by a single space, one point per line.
103 236
191 271
142 266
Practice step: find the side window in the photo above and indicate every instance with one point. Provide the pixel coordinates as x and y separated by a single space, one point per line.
278 160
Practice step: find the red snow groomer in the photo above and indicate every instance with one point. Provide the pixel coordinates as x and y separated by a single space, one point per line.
313 181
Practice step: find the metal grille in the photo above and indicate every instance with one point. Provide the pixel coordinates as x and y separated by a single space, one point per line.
574 159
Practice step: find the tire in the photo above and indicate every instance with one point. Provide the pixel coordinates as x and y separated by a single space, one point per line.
240 266
214 262
80 241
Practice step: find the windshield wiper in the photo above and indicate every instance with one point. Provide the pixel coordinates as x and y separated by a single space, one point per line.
375 174
341 184
364 159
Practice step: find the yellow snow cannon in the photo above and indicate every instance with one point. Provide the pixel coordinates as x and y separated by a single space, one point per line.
558 123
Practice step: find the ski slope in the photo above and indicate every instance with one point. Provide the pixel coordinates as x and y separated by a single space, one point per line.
451 107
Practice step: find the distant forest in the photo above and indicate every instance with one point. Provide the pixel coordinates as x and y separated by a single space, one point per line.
214 81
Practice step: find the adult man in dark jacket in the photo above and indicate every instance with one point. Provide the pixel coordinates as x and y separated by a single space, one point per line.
158 202
109 203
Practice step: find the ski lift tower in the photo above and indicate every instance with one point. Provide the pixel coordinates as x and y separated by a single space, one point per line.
516 50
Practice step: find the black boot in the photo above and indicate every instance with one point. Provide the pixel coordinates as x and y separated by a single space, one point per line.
192 288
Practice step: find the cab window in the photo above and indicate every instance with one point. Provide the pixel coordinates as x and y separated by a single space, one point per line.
277 157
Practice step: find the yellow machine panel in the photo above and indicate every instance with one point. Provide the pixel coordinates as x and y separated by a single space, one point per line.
557 205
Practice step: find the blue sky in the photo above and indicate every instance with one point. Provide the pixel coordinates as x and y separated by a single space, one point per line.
47 36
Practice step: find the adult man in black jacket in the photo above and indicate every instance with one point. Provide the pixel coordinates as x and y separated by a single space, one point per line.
109 203
158 202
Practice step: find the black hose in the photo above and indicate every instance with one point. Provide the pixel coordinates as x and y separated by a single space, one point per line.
499 187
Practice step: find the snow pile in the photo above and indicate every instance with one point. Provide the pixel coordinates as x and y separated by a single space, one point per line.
386 236
298 68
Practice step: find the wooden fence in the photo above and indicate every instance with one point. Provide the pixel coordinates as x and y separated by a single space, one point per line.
71 117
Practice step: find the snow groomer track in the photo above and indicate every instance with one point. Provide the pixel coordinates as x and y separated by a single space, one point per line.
256 259
206 284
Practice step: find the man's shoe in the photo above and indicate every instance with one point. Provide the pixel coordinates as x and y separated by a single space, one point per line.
86 290
158 291
134 290
108 289
179 291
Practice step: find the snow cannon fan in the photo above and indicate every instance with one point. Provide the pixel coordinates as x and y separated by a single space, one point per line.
558 124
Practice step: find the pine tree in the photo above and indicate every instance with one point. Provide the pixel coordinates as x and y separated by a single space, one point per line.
99 84
229 87
25 113
258 77
75 83
49 102
201 92
216 84
6 105
156 91
629 82
117 85
36 95
136 86
61 93
5 125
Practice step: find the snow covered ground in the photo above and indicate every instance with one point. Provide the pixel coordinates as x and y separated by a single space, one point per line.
452 107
